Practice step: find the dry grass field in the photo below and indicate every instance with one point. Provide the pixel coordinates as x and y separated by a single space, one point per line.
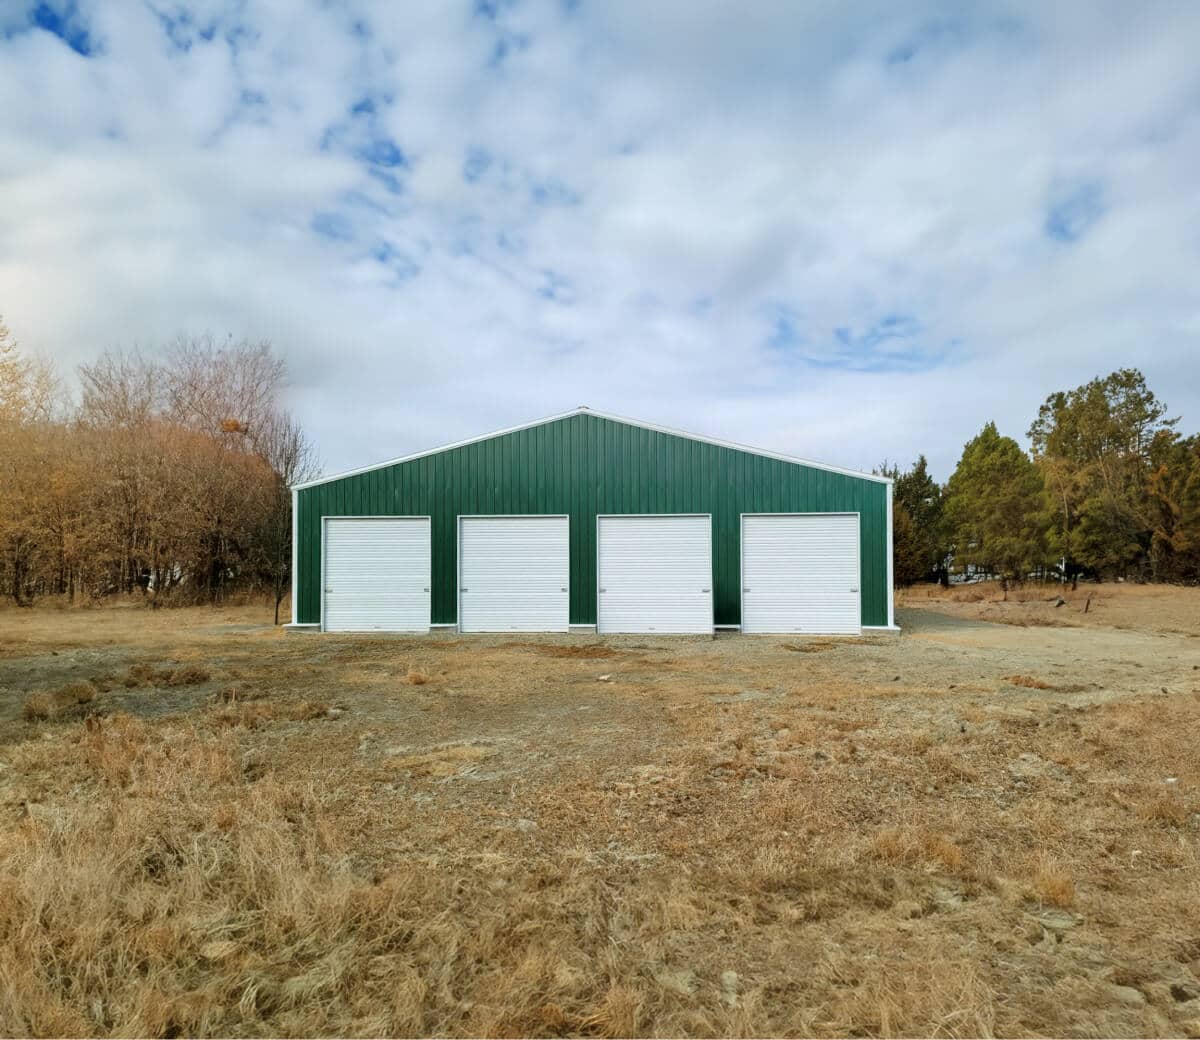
208 826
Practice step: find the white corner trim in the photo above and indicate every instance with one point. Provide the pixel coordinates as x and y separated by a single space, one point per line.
599 415
295 575
891 556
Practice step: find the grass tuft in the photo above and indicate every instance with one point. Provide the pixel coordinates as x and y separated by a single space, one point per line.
49 705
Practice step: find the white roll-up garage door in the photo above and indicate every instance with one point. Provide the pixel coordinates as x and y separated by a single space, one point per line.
800 573
375 574
514 573
655 573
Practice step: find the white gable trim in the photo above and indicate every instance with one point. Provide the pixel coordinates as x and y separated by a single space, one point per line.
599 415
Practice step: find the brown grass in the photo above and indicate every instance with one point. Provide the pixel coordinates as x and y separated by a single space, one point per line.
148 675
586 651
1167 809
49 705
1028 681
517 849
1053 883
918 845
1121 605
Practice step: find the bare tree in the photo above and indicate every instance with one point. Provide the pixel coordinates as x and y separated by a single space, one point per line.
282 444
227 389
121 389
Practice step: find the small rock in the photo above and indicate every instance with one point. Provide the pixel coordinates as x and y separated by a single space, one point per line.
1057 920
1060 602
524 824
218 950
1185 991
604 678
335 713
1127 995
682 983
729 988
895 678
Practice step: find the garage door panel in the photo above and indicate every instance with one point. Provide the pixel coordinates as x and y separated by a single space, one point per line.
655 574
800 573
376 574
514 574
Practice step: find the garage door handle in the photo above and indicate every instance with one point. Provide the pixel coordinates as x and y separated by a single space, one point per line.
563 589
854 590
464 590
424 590
706 590
745 590
604 590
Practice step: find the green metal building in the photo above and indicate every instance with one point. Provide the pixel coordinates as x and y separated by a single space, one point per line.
591 520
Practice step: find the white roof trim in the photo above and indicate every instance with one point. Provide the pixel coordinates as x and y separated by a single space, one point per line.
599 415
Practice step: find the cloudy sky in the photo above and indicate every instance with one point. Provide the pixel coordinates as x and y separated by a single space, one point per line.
842 231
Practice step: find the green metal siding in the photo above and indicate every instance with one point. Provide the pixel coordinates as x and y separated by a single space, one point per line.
585 465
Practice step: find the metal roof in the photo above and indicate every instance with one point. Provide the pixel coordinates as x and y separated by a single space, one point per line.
585 410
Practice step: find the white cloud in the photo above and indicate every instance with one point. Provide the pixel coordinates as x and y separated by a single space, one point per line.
671 209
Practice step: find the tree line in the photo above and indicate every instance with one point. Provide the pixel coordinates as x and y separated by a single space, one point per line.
170 475
1109 489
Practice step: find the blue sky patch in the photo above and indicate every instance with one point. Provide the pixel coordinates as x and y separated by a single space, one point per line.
552 192
333 226
507 45
894 343
383 151
395 260
476 165
182 29
64 21
1074 209
556 287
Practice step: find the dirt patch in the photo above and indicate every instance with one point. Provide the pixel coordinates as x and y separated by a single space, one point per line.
587 651
1031 682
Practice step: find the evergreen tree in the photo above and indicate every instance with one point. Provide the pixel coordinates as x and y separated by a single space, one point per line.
993 508
1093 445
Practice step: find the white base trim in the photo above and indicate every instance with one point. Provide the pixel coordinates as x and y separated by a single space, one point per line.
301 625
582 628
731 628
445 624
881 628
